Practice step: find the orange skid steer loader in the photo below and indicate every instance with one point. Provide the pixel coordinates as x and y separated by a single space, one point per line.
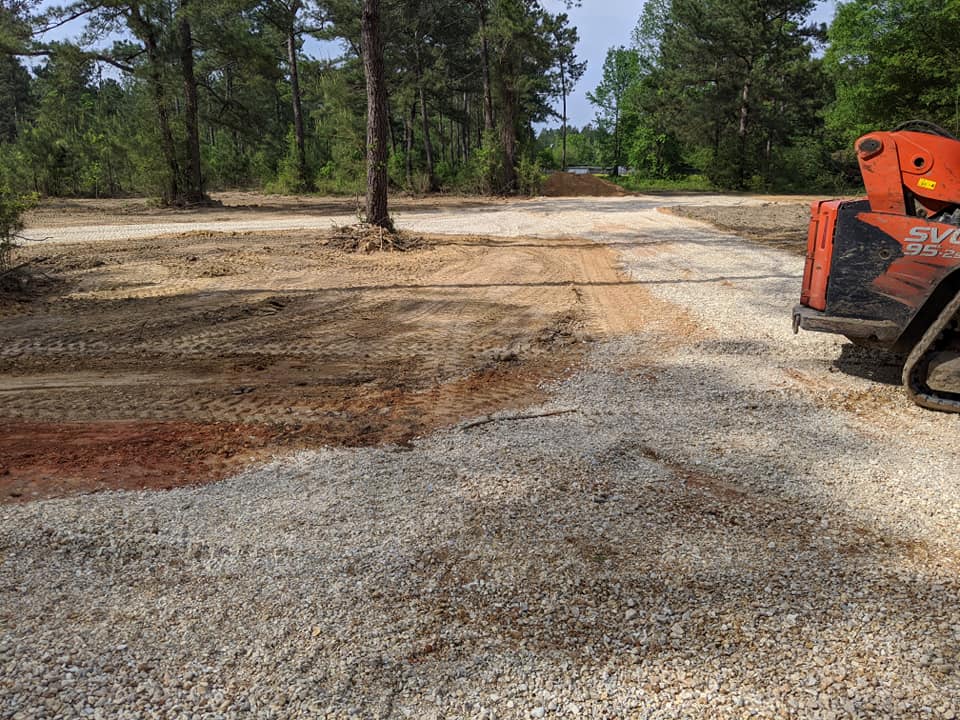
885 271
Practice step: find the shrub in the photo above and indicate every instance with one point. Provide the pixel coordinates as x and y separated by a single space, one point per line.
485 170
12 207
529 177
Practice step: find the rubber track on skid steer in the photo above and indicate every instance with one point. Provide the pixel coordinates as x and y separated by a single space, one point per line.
916 367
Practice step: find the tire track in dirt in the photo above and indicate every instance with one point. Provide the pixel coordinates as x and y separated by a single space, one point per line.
347 349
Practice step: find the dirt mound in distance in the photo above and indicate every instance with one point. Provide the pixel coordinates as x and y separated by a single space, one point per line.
561 184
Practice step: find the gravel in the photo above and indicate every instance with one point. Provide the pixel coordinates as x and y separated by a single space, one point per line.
617 217
733 523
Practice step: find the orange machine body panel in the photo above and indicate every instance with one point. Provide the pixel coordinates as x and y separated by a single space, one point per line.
902 167
816 272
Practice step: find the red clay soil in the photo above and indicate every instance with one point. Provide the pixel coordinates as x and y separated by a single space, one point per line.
55 459
561 184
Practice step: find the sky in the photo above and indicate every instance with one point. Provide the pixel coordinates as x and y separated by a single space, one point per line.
603 24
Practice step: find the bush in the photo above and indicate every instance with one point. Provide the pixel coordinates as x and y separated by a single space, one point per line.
638 183
445 174
12 207
804 167
337 179
420 182
288 178
485 170
529 177
654 154
397 169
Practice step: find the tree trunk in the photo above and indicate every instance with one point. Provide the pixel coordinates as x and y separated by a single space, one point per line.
743 127
193 192
563 129
508 138
298 133
172 191
744 108
465 128
488 121
425 122
479 129
441 133
234 132
616 142
408 143
376 115
391 128
717 122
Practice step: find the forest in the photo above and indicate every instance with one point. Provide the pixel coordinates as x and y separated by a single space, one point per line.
174 98
752 96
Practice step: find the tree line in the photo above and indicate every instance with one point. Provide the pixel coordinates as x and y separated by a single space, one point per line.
176 97
750 94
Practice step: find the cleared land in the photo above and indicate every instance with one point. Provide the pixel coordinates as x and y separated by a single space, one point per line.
603 478
778 224
174 359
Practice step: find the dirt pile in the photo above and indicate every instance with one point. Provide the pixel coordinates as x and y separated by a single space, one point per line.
561 184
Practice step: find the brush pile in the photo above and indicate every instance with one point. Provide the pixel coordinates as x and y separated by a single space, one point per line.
367 238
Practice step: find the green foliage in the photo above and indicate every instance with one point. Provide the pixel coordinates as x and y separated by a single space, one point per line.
483 173
891 61
15 90
804 167
114 120
228 166
731 91
529 177
689 183
653 153
334 179
288 179
583 147
12 207
732 84
621 73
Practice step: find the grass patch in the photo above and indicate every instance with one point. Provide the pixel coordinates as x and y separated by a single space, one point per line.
635 183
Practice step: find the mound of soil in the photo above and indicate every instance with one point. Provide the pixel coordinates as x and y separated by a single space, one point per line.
561 184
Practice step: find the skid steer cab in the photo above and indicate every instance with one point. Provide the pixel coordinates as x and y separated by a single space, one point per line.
885 270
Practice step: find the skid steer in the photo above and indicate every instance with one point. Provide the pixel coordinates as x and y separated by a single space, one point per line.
885 271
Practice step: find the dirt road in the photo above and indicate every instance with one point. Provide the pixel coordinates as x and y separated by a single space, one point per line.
697 515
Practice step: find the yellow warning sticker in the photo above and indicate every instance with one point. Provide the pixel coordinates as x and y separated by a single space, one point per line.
927 184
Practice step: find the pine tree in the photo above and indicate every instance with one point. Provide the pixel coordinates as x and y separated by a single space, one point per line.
376 115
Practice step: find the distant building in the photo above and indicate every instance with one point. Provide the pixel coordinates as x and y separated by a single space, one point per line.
588 170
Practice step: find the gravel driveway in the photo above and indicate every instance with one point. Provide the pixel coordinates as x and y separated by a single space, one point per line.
718 519
539 217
